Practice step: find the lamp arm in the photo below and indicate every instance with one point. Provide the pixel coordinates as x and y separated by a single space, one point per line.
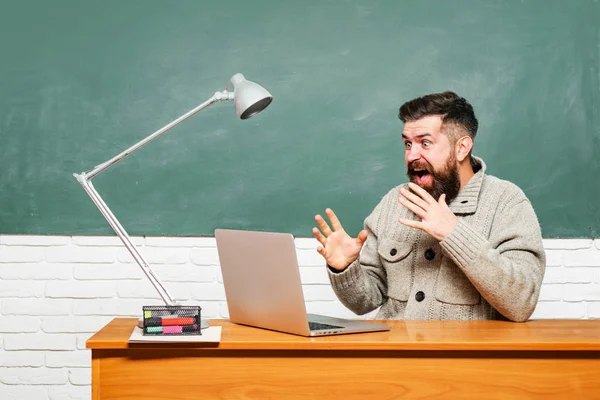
218 96
120 231
85 179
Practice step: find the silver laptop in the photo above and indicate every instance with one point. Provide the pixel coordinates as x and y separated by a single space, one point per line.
263 287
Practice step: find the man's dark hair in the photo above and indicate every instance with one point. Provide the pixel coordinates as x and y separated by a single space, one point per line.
451 107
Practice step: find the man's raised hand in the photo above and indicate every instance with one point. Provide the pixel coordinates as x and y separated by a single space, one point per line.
338 249
436 217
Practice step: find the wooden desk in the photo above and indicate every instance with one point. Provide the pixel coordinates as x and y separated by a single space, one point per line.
416 359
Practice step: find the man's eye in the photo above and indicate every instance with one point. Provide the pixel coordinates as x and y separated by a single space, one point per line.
407 145
426 143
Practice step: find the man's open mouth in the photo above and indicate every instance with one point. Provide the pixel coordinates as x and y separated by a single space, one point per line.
422 176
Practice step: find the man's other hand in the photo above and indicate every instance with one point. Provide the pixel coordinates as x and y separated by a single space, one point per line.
436 217
338 249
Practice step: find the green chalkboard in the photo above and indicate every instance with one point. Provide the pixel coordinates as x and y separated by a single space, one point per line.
80 81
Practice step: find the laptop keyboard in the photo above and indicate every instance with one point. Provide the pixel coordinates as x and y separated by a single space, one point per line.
317 326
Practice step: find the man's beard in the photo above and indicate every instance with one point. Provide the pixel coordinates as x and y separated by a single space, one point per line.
445 181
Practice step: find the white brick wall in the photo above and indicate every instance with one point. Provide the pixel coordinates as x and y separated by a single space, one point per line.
55 291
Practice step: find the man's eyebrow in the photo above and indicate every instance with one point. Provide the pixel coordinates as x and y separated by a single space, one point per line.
422 135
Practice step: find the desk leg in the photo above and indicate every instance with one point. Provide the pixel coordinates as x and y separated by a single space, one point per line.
95 376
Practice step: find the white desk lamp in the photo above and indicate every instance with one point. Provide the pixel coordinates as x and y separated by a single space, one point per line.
249 99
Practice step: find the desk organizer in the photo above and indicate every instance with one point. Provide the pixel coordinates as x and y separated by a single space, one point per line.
172 320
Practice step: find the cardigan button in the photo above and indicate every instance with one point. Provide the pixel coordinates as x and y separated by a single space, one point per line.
420 296
393 252
429 254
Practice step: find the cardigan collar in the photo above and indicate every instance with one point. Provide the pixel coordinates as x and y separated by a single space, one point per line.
467 198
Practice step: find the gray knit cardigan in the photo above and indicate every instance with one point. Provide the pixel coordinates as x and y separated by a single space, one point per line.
490 266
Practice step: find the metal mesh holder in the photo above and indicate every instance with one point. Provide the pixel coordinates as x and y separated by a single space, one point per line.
172 320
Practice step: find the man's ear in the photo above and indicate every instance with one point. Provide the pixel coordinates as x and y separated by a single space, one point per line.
463 148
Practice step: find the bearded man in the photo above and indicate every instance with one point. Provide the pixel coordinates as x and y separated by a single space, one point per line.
454 243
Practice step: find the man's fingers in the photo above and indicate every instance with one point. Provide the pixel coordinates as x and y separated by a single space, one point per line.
319 236
323 225
362 237
414 199
422 193
442 200
419 212
321 251
411 223
335 222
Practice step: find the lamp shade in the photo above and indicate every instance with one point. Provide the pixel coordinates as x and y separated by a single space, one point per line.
249 98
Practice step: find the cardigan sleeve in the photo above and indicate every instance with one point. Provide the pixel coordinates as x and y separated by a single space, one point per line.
362 286
508 268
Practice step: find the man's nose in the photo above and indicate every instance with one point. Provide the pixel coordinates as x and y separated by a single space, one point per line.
412 155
